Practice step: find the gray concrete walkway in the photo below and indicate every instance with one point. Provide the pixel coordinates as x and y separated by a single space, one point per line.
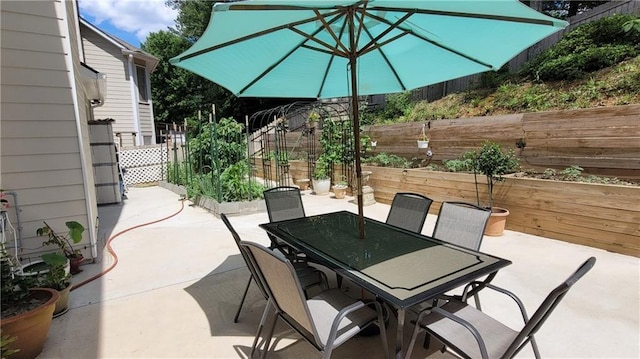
175 289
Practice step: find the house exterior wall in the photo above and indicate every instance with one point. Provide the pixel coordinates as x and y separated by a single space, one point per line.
122 89
105 57
43 122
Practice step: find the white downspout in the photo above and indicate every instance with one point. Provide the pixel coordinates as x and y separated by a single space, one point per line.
153 121
134 100
89 193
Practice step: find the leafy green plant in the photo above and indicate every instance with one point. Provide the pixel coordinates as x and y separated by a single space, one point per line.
384 159
572 173
14 289
321 169
492 162
236 185
56 277
63 241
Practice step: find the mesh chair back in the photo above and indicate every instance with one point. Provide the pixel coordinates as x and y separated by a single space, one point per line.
461 224
283 203
409 211
545 309
282 283
245 255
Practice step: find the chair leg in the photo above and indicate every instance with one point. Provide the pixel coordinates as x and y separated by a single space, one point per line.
269 336
263 320
246 290
427 340
412 342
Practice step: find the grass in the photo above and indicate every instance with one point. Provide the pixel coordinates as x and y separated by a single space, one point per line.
613 86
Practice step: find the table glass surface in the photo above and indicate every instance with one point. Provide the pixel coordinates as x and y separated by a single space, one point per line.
402 266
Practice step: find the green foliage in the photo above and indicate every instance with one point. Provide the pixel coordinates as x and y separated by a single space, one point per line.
492 162
572 173
236 186
397 106
218 146
336 141
62 241
321 168
587 48
465 163
193 17
14 289
176 92
56 278
384 159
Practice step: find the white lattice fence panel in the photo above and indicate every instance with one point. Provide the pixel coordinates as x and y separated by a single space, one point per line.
143 164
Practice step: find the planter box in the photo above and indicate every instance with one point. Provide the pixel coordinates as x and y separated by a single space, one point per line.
596 215
228 208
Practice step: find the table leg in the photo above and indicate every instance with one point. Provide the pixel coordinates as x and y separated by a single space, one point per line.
400 334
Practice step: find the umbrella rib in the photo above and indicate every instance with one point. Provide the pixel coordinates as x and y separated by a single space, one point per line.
386 59
472 16
327 28
433 42
391 27
326 71
254 35
301 44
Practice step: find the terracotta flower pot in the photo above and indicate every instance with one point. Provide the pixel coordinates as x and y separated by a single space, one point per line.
497 221
339 191
31 328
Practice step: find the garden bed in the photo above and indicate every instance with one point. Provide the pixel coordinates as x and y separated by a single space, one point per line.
597 215
215 207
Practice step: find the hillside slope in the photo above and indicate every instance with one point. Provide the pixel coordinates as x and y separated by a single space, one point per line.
613 86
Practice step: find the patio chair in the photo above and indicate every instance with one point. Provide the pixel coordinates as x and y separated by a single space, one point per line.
309 276
409 211
471 333
461 224
283 203
326 320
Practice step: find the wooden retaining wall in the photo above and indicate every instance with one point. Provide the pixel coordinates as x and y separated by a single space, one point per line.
604 140
596 215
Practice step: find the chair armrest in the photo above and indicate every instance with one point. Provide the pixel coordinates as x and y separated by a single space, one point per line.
466 325
510 294
341 315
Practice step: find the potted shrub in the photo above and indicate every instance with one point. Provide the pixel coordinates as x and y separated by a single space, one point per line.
26 311
320 180
64 242
340 188
312 119
56 277
493 162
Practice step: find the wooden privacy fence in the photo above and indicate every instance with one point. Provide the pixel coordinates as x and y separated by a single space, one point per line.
603 140
596 215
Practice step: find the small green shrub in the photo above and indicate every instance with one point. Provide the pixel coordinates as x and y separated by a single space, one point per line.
384 159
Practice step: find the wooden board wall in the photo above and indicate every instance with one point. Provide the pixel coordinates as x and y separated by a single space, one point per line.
601 216
602 140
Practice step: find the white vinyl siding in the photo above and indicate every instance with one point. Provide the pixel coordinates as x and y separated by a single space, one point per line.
39 148
105 57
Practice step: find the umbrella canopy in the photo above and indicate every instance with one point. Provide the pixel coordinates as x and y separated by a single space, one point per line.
338 48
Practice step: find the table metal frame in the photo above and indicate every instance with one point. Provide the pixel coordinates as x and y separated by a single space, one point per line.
377 287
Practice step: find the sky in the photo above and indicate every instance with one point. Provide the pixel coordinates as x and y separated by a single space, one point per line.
129 20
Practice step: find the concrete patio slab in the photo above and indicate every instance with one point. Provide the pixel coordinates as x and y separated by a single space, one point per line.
179 278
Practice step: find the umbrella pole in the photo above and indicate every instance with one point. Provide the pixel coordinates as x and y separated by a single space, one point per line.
356 129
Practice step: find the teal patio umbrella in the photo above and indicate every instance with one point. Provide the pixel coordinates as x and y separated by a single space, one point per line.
347 48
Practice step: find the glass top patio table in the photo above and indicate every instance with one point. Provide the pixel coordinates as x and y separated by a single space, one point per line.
401 267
